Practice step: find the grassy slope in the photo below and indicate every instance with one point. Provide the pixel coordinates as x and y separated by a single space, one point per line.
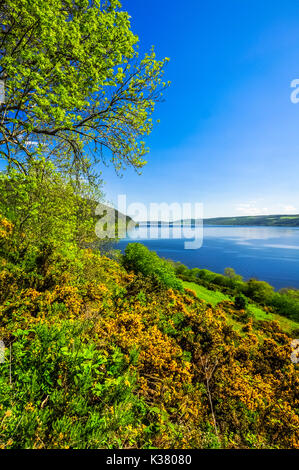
103 358
215 297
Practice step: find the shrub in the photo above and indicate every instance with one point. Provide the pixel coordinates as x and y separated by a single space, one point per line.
240 302
64 386
286 306
259 291
140 259
231 274
181 269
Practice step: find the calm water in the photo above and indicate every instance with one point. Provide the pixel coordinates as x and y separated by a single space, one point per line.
267 253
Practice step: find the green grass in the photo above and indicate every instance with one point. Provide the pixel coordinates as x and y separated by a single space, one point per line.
205 294
214 297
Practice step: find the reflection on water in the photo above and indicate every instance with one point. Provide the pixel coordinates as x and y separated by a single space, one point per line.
268 253
154 232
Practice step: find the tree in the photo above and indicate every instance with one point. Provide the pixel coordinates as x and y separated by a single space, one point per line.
286 305
180 268
195 272
74 83
231 274
259 291
240 302
47 210
139 259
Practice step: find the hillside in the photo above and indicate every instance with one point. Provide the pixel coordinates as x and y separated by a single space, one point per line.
266 220
255 312
104 348
104 210
104 354
256 220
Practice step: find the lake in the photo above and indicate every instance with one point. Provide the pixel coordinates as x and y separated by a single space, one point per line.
267 253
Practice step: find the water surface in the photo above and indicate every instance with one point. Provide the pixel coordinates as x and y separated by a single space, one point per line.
267 253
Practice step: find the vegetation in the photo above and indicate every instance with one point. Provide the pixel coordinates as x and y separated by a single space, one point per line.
285 302
112 351
74 84
209 296
240 302
253 220
103 354
140 259
266 220
251 310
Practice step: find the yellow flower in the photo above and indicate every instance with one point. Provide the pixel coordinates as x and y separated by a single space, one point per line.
29 407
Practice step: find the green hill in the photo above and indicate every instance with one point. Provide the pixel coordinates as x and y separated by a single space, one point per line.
254 220
266 220
117 354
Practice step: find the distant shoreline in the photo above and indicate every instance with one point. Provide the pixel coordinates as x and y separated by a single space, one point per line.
243 221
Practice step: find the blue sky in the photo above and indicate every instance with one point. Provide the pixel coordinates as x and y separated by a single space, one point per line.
229 133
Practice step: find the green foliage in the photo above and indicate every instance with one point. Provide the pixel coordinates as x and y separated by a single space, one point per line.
210 296
98 357
139 259
74 82
257 313
287 305
99 354
257 220
231 274
180 268
259 291
205 274
48 211
62 387
292 293
107 360
240 302
285 302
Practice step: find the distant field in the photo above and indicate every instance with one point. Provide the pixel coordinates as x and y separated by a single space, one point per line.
215 297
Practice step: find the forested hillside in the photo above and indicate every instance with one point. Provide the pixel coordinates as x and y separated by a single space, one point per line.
251 220
103 350
266 220
104 353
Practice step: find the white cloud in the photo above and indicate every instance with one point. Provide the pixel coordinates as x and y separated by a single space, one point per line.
252 208
288 209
